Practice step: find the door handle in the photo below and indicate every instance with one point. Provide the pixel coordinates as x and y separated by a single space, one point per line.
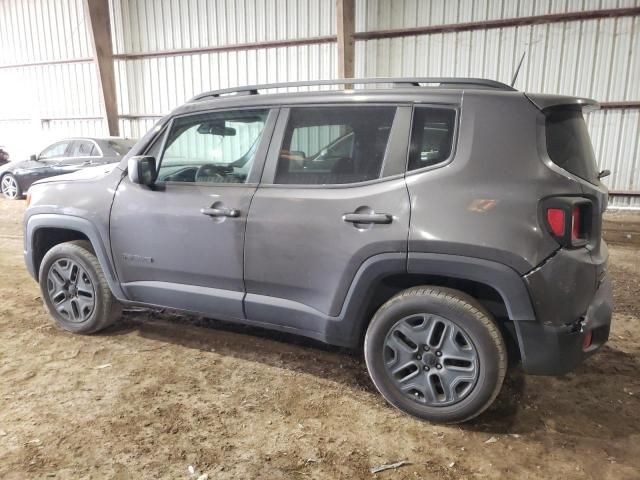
220 212
383 218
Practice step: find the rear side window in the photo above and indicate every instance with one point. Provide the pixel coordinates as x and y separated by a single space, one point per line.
84 149
568 143
431 136
121 147
334 145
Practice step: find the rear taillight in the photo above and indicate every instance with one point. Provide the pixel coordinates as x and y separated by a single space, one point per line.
575 224
555 219
568 220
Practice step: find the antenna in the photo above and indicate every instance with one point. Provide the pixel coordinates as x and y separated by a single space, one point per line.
515 75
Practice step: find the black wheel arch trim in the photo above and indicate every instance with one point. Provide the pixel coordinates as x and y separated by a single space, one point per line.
505 280
77 224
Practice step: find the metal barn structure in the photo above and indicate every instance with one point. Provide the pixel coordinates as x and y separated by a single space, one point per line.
152 55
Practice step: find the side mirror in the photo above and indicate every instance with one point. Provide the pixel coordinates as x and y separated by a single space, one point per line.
33 157
604 173
142 170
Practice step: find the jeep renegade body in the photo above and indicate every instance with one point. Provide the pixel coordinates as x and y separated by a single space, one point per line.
434 225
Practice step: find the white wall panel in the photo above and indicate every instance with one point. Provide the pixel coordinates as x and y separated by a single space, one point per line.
617 146
136 128
592 58
42 30
152 25
390 14
157 85
39 31
17 136
74 128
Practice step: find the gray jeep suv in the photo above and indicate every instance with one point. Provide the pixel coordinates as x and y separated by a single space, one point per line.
438 223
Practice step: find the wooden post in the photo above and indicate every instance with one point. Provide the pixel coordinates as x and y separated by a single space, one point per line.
345 17
97 15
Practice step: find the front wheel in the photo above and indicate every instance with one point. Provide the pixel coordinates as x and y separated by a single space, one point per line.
436 354
10 187
75 290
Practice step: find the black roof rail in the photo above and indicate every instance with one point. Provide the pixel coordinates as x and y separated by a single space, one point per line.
447 82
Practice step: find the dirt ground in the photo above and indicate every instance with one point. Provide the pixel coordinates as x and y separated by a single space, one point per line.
158 394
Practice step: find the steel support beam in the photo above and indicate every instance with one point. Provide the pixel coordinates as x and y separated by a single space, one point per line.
500 23
97 15
236 47
345 18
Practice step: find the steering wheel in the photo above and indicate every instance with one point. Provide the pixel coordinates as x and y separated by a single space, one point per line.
209 172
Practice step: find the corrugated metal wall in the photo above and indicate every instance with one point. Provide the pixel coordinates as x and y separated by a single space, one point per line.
37 100
42 31
149 86
152 25
595 58
388 14
616 141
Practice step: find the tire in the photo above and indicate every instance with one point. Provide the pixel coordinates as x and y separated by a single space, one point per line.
75 290
10 187
459 362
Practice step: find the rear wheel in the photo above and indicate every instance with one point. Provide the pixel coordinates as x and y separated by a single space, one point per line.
75 289
10 188
436 354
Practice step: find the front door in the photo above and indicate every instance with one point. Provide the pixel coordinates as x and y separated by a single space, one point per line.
333 195
47 163
180 244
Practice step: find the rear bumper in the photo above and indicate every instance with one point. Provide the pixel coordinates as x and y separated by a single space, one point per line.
549 349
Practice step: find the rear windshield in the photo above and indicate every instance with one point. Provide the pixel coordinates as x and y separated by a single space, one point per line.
121 146
569 145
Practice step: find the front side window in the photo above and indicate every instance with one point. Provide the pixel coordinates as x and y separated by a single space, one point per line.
56 150
431 136
216 147
334 145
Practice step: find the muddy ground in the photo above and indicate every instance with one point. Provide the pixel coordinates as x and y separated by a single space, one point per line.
157 394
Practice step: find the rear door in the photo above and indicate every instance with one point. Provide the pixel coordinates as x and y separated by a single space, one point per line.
317 217
180 244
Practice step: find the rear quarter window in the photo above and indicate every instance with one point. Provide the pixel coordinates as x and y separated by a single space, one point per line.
431 137
568 143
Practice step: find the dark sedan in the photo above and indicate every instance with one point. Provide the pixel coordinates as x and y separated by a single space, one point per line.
4 156
65 156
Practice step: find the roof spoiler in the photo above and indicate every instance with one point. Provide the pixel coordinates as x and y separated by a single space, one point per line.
543 101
